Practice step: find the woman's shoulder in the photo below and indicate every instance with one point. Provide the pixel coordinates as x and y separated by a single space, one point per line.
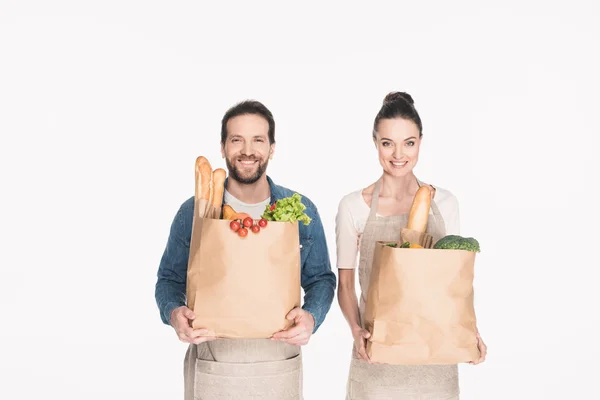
350 200
445 199
443 194
352 212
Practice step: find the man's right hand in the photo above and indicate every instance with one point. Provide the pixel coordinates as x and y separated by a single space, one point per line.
181 321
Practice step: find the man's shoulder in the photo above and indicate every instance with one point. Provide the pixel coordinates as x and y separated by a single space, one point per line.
187 208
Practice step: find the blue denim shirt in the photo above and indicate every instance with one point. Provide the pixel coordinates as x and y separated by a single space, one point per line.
317 278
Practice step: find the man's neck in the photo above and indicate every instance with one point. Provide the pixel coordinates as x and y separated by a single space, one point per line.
249 193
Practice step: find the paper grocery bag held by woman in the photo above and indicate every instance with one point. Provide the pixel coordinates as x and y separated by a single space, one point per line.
369 219
419 307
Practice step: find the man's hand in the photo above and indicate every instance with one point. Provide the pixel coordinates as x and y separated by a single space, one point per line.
482 350
300 332
181 321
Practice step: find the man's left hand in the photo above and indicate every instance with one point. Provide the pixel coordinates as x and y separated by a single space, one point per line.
299 333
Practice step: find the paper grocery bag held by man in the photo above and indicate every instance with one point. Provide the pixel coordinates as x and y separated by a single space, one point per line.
242 360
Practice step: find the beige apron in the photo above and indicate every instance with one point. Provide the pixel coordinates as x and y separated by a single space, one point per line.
396 382
228 369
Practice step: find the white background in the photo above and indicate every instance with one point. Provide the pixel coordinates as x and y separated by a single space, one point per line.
104 107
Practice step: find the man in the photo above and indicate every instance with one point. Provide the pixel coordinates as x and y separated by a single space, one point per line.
246 368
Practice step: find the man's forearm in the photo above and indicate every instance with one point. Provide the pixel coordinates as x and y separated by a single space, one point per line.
170 288
318 298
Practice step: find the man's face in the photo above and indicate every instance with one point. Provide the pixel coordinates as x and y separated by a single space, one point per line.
247 150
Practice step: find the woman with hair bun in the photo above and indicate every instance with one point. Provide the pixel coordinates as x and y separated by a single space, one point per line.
378 213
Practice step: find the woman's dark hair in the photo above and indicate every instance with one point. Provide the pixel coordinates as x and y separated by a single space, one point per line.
248 107
398 105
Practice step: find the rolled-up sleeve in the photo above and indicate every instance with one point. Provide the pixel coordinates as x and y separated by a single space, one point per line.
318 280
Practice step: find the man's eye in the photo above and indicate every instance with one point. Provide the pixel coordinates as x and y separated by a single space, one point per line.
260 140
235 140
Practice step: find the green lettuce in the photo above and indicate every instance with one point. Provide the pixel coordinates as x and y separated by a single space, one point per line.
288 209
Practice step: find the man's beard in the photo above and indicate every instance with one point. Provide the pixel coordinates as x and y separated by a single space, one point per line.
235 174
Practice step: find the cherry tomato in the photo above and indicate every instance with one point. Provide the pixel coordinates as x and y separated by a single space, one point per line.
248 222
234 225
255 228
262 222
243 232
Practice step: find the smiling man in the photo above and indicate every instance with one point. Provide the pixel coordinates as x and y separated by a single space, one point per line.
246 368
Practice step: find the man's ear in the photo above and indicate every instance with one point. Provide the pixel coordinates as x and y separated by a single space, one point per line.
272 150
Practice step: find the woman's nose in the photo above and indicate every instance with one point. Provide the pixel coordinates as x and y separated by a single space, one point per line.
398 152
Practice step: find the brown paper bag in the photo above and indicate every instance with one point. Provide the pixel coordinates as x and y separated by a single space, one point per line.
242 287
420 306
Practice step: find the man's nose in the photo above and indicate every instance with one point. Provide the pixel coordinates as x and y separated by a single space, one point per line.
248 149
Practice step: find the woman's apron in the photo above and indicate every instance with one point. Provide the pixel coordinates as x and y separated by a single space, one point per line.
228 369
396 382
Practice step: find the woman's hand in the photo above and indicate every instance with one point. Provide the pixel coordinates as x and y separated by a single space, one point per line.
482 351
360 342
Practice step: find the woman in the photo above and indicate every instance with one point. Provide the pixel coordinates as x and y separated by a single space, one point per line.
379 212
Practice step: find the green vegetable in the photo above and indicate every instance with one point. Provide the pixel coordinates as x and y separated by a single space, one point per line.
404 245
288 209
456 242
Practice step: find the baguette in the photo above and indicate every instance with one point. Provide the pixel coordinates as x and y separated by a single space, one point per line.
419 212
218 187
203 184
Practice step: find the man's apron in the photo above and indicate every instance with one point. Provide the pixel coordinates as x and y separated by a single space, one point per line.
228 369
396 382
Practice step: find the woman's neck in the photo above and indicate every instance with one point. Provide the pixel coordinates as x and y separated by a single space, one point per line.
400 187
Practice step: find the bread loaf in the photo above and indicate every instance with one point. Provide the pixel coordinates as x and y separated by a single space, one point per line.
419 212
218 187
203 184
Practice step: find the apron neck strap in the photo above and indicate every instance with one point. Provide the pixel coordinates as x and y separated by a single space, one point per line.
375 200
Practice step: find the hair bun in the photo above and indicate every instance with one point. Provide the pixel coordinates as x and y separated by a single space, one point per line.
393 97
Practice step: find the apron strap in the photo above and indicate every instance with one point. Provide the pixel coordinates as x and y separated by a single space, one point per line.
374 200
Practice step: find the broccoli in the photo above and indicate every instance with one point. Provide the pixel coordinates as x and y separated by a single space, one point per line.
457 242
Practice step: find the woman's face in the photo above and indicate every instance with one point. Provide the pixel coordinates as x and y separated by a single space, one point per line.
397 143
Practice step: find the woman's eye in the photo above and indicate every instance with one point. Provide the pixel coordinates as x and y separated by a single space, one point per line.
411 143
386 144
